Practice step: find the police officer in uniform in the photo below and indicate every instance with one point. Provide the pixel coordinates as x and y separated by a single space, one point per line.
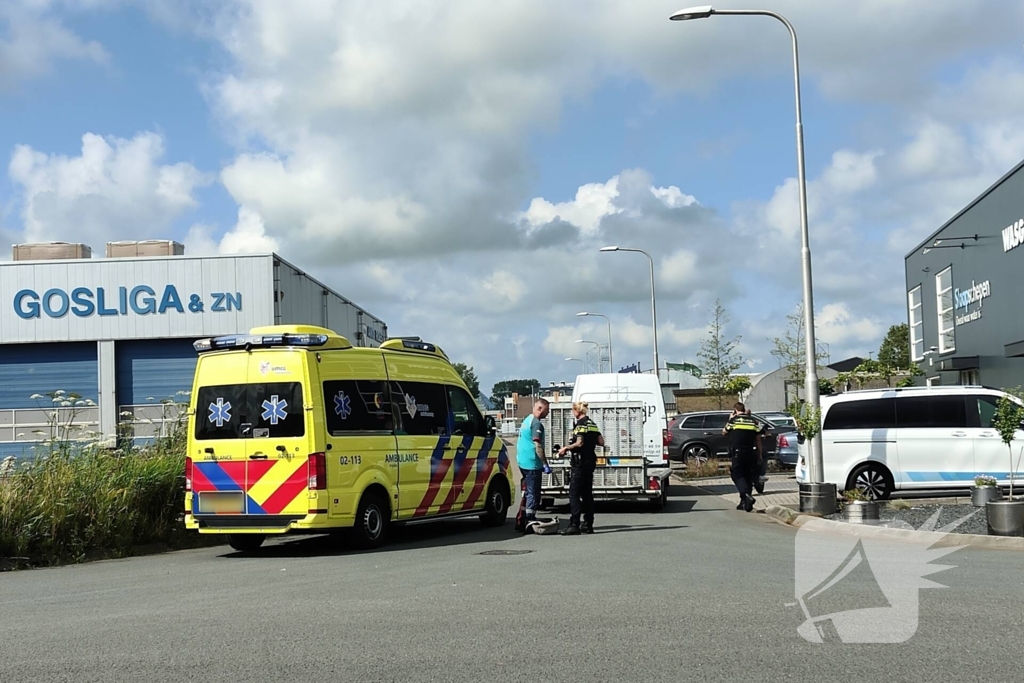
745 452
586 438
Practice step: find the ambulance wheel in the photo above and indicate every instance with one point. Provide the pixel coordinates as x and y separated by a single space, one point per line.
246 543
496 508
371 527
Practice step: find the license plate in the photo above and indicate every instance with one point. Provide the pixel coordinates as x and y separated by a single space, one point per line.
221 503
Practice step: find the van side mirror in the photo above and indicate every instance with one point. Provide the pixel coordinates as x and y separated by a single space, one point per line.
490 425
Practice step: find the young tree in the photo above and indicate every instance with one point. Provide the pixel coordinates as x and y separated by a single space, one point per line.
1007 421
523 387
895 349
718 357
789 348
469 377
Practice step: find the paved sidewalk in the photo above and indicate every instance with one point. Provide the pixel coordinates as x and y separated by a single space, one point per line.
780 489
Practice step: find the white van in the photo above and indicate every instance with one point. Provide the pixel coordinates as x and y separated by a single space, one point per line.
612 387
886 440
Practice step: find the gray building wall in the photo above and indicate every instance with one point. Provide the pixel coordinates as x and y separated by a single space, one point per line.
983 329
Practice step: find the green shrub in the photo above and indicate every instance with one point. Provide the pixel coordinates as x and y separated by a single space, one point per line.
77 500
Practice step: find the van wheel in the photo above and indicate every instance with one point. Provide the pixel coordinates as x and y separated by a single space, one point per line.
873 480
496 509
696 454
246 543
372 518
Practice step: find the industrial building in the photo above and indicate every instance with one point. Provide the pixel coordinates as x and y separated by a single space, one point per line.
118 331
964 287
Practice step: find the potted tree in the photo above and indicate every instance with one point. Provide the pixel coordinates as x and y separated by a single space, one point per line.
858 508
1006 517
816 497
985 489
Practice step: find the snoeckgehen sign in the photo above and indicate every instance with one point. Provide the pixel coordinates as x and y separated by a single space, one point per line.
85 302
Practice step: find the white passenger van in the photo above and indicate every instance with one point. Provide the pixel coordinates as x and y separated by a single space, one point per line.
612 387
886 440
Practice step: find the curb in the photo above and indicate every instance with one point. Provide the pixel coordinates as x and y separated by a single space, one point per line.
784 515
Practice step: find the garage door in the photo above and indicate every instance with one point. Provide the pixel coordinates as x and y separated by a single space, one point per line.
29 369
149 372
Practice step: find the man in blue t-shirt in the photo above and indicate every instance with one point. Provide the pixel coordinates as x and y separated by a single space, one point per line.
531 460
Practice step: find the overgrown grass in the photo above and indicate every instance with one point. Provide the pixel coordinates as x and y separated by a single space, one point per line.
710 468
76 501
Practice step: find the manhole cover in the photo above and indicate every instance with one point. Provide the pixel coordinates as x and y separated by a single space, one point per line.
505 552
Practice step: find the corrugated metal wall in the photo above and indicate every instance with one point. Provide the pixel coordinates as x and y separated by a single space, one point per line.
27 369
302 300
152 370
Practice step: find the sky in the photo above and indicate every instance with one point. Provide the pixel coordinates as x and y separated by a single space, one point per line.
455 167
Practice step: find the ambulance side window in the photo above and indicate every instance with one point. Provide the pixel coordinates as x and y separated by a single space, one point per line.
465 416
423 408
355 406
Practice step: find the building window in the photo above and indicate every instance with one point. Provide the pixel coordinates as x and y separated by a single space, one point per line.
944 305
969 378
916 324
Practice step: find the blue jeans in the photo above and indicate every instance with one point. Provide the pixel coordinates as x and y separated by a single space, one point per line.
531 489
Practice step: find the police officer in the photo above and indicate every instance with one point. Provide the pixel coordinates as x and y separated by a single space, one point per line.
745 452
586 438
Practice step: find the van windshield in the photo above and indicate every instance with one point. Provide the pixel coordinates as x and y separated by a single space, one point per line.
242 411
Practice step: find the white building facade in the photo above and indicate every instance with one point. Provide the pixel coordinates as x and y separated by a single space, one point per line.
119 331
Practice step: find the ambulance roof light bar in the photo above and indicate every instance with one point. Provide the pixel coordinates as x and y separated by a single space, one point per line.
234 341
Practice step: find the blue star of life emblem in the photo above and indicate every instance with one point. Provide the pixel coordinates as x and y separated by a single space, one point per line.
220 412
342 405
274 410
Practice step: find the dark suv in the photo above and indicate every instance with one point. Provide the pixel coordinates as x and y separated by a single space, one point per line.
696 437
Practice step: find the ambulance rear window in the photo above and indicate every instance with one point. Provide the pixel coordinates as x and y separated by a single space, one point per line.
268 410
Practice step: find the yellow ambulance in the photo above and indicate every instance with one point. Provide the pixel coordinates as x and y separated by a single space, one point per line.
293 430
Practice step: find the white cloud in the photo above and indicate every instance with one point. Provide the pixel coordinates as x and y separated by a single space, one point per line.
593 202
249 236
32 42
673 197
836 324
115 189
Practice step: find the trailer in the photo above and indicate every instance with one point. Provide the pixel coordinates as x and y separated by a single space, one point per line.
623 471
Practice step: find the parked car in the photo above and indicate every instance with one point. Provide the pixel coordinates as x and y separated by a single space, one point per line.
885 440
786 449
779 418
697 437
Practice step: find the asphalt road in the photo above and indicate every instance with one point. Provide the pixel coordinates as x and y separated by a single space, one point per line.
698 592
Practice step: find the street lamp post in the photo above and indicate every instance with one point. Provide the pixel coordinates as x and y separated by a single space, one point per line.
816 466
654 305
597 345
611 366
581 361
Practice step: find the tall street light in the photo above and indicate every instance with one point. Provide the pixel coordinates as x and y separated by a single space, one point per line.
580 360
611 366
654 305
816 468
597 345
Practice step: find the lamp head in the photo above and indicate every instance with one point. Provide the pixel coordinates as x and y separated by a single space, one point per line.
609 248
702 12
582 314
